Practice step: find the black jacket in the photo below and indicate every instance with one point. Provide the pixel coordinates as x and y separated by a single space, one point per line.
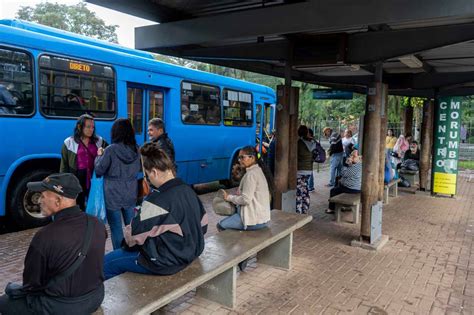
164 142
168 229
56 246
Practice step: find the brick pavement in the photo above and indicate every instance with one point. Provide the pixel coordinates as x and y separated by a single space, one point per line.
427 267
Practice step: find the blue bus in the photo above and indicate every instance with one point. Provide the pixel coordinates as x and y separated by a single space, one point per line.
50 77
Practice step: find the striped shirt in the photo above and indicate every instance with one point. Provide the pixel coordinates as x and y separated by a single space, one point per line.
352 176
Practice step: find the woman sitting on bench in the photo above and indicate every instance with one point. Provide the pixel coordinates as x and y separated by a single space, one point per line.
351 178
167 233
253 197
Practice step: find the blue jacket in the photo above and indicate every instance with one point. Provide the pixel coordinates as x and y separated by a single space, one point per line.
119 165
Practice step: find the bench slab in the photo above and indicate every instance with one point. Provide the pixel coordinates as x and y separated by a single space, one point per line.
213 273
346 199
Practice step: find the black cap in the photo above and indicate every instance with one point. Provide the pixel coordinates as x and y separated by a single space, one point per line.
64 184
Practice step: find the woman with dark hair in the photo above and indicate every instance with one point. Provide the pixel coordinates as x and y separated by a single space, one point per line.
119 163
305 169
167 233
79 152
253 197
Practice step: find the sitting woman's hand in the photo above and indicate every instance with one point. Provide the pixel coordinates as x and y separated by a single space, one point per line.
225 195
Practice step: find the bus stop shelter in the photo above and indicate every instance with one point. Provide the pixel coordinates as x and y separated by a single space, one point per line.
413 48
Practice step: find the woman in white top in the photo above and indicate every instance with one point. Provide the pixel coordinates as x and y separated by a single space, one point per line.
253 197
346 141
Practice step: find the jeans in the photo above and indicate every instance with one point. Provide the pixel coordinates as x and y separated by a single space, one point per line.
114 218
311 182
336 167
120 261
234 222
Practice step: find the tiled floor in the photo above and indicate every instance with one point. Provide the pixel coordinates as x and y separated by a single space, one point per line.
426 267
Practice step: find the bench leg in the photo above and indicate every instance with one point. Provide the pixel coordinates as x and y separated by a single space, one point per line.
395 190
221 289
355 213
278 254
386 193
338 212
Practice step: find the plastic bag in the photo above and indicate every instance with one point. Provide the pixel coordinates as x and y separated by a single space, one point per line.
222 207
96 201
410 165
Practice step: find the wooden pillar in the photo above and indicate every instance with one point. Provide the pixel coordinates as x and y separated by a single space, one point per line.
408 123
293 139
370 159
383 134
282 143
426 142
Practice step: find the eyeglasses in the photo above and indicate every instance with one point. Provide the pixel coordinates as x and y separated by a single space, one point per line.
241 157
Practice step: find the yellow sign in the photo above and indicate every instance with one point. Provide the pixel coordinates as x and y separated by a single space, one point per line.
444 183
79 67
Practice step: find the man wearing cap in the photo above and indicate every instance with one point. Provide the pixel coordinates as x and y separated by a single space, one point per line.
63 266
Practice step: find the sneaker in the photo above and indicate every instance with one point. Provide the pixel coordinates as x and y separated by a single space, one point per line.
243 264
312 190
329 211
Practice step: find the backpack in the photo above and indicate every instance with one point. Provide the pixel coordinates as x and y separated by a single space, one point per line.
319 155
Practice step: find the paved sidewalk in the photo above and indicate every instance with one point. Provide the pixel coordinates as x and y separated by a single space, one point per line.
427 267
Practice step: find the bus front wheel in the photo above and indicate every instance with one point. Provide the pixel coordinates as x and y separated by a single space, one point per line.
24 208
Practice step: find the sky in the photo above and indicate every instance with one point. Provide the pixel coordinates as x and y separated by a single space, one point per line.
126 23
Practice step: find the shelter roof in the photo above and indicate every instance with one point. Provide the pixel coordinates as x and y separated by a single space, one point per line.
426 46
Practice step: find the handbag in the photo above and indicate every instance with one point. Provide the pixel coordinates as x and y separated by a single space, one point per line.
221 206
143 189
96 201
16 291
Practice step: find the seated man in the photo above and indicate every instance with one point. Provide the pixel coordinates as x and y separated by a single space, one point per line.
411 159
351 178
63 265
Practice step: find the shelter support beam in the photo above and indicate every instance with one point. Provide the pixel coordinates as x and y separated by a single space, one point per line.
383 133
286 146
426 143
371 159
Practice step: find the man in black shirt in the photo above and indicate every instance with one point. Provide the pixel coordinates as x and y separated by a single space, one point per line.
63 266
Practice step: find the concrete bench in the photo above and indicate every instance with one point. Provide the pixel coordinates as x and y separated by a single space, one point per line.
390 189
214 273
410 176
347 200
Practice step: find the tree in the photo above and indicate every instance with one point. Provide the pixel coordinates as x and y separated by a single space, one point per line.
73 18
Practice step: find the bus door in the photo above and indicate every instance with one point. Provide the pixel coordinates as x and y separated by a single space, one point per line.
264 124
143 104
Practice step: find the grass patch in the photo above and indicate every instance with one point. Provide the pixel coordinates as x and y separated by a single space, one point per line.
466 165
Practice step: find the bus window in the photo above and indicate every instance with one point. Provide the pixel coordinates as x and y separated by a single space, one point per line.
135 108
16 83
70 88
155 104
200 104
237 108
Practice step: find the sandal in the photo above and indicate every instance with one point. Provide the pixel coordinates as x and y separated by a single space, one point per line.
329 211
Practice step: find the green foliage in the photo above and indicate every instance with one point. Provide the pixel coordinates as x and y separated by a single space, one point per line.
73 18
466 165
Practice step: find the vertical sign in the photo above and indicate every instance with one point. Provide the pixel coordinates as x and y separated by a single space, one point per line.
446 145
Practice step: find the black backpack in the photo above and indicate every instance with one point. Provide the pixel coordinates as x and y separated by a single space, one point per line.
319 155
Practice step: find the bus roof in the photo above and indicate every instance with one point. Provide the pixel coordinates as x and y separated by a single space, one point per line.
52 40
47 30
